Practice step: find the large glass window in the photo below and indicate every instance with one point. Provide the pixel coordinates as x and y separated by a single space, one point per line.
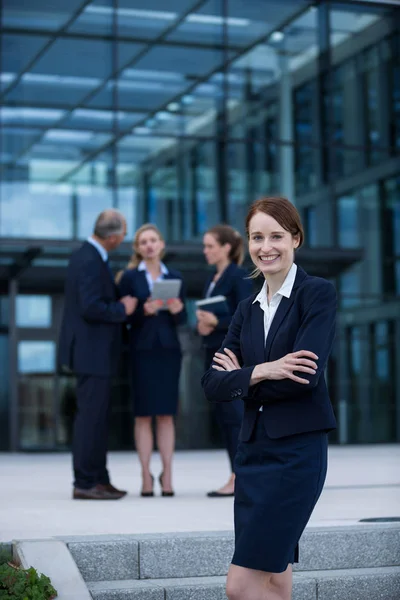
348 222
305 131
391 236
394 74
373 105
33 311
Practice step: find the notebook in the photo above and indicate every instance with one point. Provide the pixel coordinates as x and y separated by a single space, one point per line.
215 304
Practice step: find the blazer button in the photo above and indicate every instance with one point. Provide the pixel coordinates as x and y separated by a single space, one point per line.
240 391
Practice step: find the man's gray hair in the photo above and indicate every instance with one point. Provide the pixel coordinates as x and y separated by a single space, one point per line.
109 222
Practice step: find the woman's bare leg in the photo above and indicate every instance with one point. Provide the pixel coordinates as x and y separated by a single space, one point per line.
166 445
249 584
144 447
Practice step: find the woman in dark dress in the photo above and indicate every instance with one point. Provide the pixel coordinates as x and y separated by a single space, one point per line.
155 355
224 250
274 357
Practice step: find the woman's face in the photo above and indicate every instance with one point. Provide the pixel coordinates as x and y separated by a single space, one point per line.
214 252
150 245
271 247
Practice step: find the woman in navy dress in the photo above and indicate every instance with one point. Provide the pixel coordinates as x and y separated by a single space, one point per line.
155 355
274 357
224 250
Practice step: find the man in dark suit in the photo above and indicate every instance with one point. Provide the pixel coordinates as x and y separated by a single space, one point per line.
89 345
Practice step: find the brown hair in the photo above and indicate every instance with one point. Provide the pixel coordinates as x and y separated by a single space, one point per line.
280 209
136 257
283 211
225 234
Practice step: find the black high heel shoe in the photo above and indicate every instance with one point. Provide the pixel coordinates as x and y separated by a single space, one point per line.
148 494
163 493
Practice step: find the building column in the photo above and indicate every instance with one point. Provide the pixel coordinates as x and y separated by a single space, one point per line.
285 132
13 366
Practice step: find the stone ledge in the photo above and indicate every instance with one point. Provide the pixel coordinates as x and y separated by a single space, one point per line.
209 554
360 584
52 558
103 561
354 584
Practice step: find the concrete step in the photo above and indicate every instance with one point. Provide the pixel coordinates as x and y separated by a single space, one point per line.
166 556
381 583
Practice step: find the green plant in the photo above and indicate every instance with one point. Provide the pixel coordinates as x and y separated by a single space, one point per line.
24 584
5 555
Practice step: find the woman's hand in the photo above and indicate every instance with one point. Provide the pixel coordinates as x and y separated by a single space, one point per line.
302 360
226 361
206 318
175 305
151 307
204 329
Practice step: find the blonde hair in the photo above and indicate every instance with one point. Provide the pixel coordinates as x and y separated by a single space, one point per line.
136 257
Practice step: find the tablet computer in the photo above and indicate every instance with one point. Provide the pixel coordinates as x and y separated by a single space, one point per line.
166 289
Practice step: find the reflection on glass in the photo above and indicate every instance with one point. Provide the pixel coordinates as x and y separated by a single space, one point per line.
91 201
28 211
4 391
33 311
348 222
373 100
36 357
4 308
391 236
163 199
205 193
310 226
66 409
382 392
305 135
36 415
350 287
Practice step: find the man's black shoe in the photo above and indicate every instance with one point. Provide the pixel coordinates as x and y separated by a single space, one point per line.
98 492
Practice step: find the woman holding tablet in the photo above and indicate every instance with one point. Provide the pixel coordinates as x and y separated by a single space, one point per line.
155 352
224 250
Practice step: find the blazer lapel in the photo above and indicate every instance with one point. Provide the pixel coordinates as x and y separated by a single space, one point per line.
282 311
257 332
144 284
221 280
280 314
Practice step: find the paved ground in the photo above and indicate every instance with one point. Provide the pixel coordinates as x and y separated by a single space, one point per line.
35 498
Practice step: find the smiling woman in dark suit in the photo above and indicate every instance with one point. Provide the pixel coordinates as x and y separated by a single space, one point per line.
274 357
224 250
155 355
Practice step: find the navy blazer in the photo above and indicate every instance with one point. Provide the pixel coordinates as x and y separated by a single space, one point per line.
90 335
147 332
235 285
305 321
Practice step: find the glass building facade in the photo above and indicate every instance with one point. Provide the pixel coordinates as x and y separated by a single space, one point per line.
183 113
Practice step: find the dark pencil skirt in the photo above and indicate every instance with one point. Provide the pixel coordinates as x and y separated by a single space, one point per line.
155 381
278 482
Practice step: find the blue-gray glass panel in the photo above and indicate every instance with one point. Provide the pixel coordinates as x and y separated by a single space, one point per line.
189 61
40 14
36 411
17 51
350 287
36 357
33 311
91 201
348 222
14 141
4 389
35 210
